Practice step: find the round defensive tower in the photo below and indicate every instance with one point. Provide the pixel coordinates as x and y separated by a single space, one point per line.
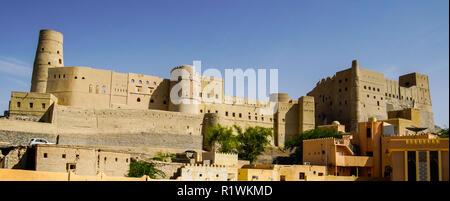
49 53
189 81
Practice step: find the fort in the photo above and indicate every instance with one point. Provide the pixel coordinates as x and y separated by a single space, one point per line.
101 120
355 94
74 105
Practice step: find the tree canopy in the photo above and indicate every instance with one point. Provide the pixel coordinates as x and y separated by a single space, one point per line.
221 138
443 133
248 143
141 168
252 141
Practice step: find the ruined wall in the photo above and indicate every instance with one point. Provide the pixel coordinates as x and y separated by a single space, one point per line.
171 170
16 157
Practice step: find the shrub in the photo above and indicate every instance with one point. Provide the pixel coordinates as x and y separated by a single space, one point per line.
141 168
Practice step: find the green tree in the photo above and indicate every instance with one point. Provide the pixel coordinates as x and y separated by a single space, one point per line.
141 168
296 142
221 136
252 141
443 133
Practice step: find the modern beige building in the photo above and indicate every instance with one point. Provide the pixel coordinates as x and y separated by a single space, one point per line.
382 141
379 151
413 157
338 155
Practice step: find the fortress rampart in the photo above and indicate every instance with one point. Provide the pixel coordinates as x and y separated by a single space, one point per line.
90 106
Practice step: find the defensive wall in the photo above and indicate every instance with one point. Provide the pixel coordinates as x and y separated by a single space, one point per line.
28 175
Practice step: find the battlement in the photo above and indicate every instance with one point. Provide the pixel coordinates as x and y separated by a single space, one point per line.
218 158
200 165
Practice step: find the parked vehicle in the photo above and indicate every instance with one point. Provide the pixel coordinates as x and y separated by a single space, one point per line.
39 141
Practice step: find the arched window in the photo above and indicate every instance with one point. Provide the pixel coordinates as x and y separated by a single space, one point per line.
138 100
132 80
97 89
104 88
90 88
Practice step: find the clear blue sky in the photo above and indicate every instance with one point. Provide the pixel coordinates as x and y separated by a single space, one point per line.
305 40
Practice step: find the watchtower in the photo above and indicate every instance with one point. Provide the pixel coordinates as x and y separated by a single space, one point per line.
49 53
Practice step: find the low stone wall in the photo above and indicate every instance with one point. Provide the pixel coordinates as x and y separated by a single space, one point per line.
23 138
27 175
339 178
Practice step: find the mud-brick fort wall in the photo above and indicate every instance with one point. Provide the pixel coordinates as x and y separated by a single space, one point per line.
31 106
355 94
110 128
81 160
126 127
96 88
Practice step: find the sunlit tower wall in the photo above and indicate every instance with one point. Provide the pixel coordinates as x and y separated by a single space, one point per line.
190 90
49 53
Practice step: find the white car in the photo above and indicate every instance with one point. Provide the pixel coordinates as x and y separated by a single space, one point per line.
39 141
